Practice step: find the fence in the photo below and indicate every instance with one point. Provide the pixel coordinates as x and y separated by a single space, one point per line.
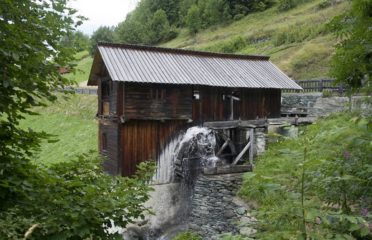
81 90
319 86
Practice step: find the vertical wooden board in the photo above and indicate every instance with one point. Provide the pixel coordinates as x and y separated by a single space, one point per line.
143 140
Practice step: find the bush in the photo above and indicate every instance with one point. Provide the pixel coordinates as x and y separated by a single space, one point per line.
231 46
317 185
74 200
285 5
238 16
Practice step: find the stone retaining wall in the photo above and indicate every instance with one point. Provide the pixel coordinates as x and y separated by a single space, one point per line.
317 106
215 209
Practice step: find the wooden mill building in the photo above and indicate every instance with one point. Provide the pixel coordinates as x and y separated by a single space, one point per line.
147 94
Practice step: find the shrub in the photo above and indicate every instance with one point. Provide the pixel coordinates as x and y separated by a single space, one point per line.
75 200
285 5
231 46
317 185
238 16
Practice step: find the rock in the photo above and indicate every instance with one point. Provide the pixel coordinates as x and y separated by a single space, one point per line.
229 214
248 231
241 210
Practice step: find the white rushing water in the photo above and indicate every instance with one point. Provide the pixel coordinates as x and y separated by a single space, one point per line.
197 142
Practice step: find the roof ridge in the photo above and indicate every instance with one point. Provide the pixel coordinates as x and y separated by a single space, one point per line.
183 51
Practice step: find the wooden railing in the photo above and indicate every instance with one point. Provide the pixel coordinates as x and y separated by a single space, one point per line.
319 86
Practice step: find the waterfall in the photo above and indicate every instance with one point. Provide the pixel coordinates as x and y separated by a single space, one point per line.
196 142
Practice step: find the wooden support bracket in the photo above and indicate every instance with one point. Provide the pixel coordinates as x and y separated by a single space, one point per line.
226 143
247 147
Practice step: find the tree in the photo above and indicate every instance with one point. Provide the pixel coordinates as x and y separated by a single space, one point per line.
213 11
30 53
77 40
63 201
159 26
102 34
352 63
193 19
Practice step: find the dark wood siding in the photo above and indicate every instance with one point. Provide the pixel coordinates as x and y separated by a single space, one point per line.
215 105
143 140
155 101
111 130
259 103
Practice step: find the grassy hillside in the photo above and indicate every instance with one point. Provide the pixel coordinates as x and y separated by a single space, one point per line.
297 40
83 64
72 122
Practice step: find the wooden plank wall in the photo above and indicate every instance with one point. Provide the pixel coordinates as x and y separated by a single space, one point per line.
111 129
259 103
143 140
253 103
164 102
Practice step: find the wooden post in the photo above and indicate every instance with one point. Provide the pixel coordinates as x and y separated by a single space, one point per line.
223 147
236 160
251 139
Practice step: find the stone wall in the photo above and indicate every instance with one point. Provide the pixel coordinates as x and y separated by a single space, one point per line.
317 106
215 210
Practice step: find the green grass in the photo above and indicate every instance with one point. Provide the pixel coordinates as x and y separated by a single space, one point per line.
275 183
83 65
297 40
71 121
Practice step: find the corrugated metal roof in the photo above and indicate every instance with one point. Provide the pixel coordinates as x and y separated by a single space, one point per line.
144 64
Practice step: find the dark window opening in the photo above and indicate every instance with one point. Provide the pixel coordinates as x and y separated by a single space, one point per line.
157 94
104 141
105 89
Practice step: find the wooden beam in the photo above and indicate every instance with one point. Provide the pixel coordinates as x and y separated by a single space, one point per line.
251 140
222 124
226 143
240 155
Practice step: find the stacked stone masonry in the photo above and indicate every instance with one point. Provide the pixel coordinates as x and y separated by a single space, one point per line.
215 210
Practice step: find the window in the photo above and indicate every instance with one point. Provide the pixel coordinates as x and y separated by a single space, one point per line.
106 108
157 94
105 89
104 142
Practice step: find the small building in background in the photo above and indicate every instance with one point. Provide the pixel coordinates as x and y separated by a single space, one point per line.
146 95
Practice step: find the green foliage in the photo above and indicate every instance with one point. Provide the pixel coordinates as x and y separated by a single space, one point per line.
285 5
193 19
229 236
78 40
187 236
143 24
31 51
323 195
310 45
351 65
231 46
160 26
102 34
75 200
69 200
